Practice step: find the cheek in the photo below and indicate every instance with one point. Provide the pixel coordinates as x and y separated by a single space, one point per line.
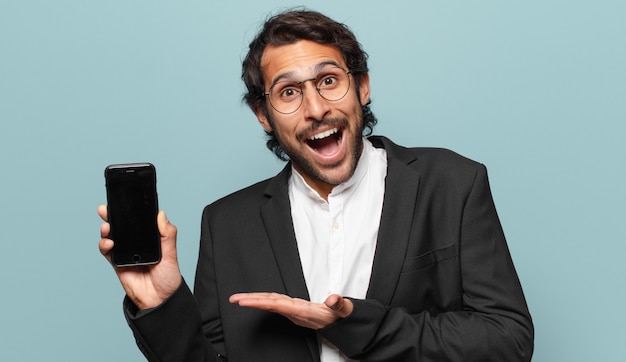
353 109
286 127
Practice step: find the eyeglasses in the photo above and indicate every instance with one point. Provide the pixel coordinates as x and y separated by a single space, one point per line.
286 96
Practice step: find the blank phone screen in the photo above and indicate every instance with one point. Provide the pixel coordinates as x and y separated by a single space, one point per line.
132 209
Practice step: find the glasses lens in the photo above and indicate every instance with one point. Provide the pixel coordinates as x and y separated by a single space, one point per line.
332 84
286 97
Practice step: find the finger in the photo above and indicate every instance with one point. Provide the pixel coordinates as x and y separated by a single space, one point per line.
274 302
334 302
105 246
105 229
166 229
258 296
341 306
102 211
237 297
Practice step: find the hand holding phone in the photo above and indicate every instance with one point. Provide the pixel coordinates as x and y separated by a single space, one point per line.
146 285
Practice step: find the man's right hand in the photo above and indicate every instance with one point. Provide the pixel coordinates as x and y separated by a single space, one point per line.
148 285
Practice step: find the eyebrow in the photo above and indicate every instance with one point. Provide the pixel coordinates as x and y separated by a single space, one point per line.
318 67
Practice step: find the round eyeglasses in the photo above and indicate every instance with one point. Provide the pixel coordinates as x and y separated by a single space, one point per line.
286 96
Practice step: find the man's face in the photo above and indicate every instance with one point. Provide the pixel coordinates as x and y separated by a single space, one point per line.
322 138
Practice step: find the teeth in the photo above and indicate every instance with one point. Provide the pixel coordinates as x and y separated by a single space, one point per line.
319 136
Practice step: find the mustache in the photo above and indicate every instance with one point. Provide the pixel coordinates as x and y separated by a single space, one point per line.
330 122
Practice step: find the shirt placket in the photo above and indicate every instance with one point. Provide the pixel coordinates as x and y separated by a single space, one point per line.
337 243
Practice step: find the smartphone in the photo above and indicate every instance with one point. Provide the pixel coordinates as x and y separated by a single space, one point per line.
132 205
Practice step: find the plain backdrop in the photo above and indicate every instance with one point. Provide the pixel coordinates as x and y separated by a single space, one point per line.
536 90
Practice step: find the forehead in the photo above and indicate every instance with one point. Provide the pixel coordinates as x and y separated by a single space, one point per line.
297 60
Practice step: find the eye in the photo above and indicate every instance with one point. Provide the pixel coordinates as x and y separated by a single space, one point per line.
289 93
286 92
328 81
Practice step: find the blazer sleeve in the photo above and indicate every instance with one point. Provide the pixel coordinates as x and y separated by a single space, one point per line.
493 323
171 331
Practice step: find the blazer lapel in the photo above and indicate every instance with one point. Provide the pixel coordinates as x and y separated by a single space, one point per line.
276 214
401 188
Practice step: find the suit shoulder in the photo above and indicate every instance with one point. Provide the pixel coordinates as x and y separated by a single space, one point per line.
443 157
426 157
239 200
445 173
442 166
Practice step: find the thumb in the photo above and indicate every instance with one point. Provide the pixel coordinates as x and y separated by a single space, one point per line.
341 306
166 229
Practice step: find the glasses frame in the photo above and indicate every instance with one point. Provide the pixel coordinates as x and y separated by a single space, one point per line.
266 95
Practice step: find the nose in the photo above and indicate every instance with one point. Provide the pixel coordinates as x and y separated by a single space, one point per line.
315 107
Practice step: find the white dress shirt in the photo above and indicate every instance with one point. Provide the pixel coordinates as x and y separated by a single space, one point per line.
337 239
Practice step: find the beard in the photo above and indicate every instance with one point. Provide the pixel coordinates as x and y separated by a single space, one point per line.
307 165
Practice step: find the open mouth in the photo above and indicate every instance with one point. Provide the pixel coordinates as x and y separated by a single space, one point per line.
326 143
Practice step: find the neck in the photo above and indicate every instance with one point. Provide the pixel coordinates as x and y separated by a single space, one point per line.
321 187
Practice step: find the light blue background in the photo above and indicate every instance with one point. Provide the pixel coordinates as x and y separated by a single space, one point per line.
536 90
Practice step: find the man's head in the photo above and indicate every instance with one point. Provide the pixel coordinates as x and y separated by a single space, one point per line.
289 28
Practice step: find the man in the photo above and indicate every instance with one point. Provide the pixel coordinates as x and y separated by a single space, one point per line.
358 250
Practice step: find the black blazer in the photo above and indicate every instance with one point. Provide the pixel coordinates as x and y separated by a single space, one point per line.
443 286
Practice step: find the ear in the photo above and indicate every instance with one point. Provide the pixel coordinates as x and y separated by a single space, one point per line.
364 88
261 115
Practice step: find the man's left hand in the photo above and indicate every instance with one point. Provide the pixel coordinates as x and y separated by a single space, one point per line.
299 311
